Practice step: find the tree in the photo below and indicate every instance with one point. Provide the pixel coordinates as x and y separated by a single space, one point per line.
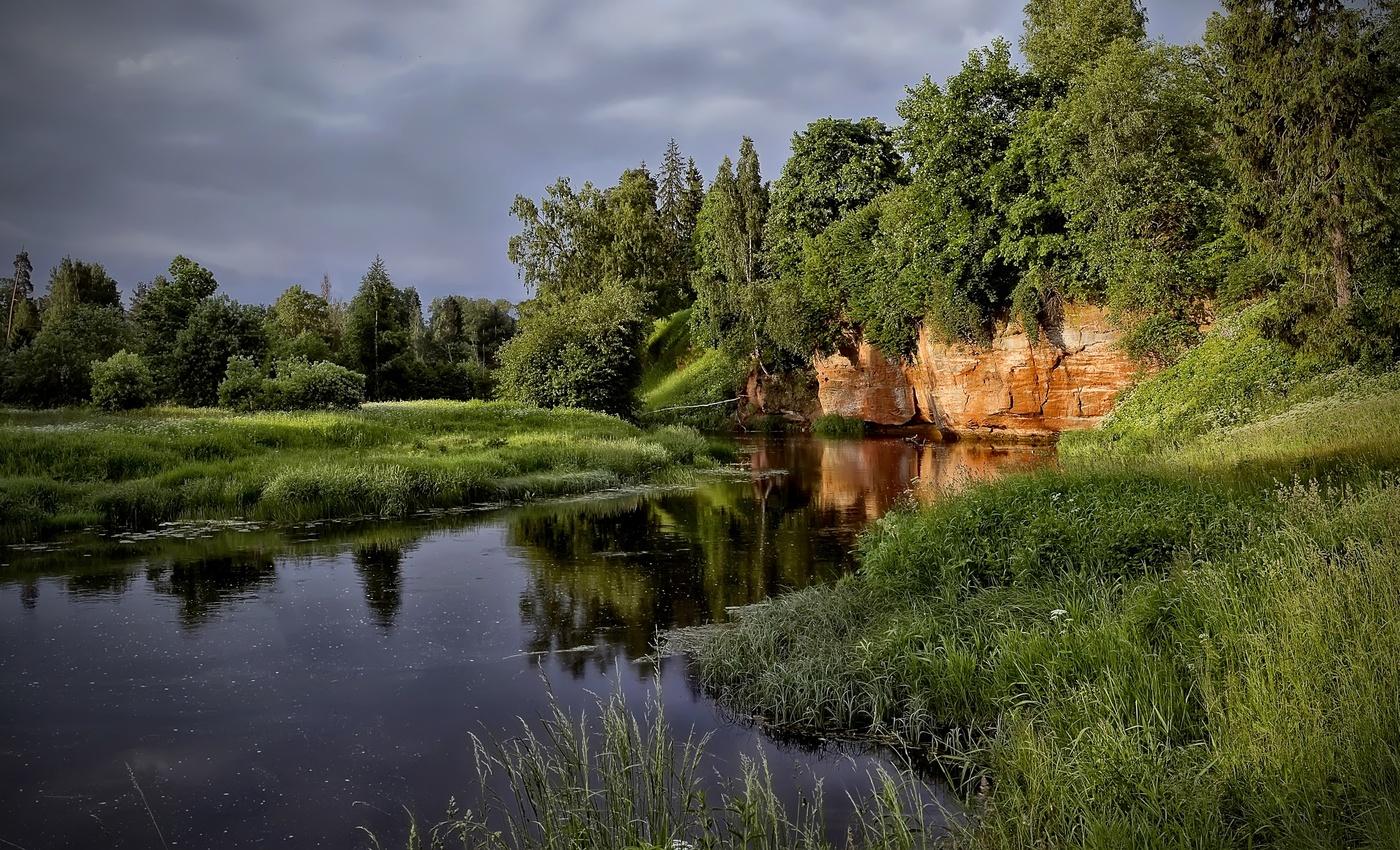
957 138
837 166
586 353
681 192
21 287
1064 37
564 242
377 333
77 282
217 329
159 312
1306 96
56 368
1145 191
638 251
448 328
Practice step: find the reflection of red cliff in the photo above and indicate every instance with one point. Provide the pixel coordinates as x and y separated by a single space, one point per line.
1068 379
869 476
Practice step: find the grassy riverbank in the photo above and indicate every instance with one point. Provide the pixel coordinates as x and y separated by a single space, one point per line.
68 469
1185 638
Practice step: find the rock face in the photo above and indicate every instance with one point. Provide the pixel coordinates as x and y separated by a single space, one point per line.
1066 380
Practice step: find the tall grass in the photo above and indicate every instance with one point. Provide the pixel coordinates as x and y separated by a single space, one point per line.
67 469
1185 638
620 781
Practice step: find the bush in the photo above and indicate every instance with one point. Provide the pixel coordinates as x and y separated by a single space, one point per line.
297 385
122 382
584 354
300 385
243 386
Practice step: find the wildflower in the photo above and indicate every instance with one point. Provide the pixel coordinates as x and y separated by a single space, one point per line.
1057 614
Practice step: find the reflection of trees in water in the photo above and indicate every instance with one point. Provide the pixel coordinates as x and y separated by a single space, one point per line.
614 573
100 584
380 567
204 586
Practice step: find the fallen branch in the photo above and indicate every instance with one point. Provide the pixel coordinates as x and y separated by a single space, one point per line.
692 406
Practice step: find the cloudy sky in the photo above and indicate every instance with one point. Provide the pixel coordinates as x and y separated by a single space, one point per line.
275 140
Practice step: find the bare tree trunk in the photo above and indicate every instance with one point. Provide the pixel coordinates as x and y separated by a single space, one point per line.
1341 261
10 322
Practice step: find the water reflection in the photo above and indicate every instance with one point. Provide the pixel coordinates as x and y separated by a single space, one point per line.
380 567
325 664
204 587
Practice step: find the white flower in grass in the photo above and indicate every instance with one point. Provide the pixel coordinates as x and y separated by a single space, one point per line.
1058 613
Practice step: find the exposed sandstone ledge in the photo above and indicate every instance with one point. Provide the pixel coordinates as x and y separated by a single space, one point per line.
1066 380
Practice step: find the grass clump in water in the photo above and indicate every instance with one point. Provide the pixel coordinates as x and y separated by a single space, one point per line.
836 426
1185 638
623 782
66 468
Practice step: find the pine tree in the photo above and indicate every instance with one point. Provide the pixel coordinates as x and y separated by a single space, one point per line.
21 286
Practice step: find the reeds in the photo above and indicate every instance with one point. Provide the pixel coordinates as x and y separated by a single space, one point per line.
622 780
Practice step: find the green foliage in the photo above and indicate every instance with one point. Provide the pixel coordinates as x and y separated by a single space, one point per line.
462 329
1144 192
585 353
1307 98
159 312
571 242
300 324
734 300
836 426
55 369
1065 37
76 282
377 334
19 309
243 388
836 166
217 329
63 470
122 382
300 385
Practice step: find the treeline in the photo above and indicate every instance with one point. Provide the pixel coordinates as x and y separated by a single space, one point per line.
1165 183
182 341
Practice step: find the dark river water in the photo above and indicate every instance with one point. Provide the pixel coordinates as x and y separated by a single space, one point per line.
267 685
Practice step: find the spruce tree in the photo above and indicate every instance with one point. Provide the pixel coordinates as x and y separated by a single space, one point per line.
1303 96
377 330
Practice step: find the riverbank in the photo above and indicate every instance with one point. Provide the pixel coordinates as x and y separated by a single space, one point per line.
76 468
1185 637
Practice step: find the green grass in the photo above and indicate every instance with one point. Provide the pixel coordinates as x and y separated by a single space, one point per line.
620 781
835 425
1184 638
677 375
68 469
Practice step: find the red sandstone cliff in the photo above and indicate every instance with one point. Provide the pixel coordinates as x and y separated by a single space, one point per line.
1068 379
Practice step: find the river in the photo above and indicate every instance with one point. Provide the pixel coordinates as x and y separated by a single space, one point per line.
264 685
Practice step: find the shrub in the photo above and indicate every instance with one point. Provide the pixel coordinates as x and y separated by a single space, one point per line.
243 386
583 354
838 426
300 385
122 382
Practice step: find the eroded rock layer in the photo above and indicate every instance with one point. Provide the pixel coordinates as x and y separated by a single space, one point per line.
1067 379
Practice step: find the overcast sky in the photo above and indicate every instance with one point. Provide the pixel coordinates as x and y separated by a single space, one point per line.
273 140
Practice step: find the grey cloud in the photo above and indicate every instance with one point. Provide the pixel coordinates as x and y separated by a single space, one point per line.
273 141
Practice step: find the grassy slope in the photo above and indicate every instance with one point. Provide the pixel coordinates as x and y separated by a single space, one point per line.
677 375
66 469
1187 638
